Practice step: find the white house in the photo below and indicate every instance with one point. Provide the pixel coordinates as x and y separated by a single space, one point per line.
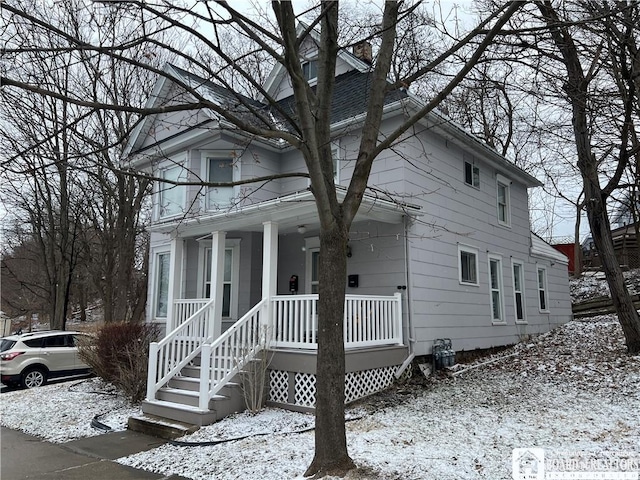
441 248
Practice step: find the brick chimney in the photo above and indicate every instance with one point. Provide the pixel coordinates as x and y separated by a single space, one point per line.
363 51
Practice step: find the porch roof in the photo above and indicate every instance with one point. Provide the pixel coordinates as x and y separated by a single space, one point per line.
288 212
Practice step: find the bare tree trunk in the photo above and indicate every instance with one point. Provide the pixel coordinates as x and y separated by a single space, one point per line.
331 455
577 250
576 88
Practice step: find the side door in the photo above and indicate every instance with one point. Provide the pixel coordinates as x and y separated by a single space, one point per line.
58 354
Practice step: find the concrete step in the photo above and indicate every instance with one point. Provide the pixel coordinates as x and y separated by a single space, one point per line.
181 413
160 427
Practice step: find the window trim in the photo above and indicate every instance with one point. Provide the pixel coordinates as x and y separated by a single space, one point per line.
523 295
474 169
335 155
311 244
310 62
155 284
544 288
502 320
506 183
206 156
176 163
474 251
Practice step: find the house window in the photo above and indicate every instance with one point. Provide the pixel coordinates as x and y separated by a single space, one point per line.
310 70
471 174
543 300
468 266
229 282
495 286
504 216
161 304
312 269
171 196
335 154
518 291
220 170
315 268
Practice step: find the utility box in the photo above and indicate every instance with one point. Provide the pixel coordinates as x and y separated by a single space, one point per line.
443 354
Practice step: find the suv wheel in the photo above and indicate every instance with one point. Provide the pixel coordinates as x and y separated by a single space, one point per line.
34 377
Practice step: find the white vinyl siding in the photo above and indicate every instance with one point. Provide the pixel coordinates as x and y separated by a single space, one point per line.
496 290
467 265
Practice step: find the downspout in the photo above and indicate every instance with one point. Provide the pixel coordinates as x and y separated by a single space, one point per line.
409 309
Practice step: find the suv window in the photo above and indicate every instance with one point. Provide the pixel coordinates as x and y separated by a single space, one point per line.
56 341
6 344
33 342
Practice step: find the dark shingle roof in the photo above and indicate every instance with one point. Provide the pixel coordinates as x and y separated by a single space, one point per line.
351 94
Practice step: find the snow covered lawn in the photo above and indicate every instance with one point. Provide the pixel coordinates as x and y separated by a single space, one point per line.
573 391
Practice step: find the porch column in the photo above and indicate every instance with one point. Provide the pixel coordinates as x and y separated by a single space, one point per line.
269 272
175 280
269 259
217 282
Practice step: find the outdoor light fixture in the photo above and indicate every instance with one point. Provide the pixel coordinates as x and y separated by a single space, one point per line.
302 229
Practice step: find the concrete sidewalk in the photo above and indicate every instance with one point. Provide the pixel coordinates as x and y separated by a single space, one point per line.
26 457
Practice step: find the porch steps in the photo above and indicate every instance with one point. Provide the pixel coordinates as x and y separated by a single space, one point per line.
178 400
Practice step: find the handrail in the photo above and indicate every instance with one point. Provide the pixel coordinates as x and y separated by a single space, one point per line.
168 356
228 354
369 320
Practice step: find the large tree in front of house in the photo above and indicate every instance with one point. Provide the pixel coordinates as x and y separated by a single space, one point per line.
277 39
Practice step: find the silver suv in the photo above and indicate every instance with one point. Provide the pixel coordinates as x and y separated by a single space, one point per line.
30 359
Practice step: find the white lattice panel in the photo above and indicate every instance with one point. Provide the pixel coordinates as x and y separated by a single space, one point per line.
360 384
279 386
357 385
305 389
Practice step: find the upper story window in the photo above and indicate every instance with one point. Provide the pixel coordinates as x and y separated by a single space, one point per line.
219 170
171 196
503 200
468 265
471 174
310 70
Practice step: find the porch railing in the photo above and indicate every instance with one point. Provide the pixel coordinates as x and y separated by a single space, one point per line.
368 321
229 353
185 308
168 356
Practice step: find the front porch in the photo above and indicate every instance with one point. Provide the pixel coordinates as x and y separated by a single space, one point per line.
195 371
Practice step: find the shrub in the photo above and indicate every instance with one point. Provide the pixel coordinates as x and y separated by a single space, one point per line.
119 354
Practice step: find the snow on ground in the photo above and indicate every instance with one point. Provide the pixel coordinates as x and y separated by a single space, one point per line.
593 284
574 392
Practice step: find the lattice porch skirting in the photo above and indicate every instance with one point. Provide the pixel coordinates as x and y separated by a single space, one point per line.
299 389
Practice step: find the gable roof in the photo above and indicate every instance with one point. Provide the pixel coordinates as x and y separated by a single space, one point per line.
351 92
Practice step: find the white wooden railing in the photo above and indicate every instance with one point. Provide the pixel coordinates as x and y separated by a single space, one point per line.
168 356
185 308
228 354
285 321
368 321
